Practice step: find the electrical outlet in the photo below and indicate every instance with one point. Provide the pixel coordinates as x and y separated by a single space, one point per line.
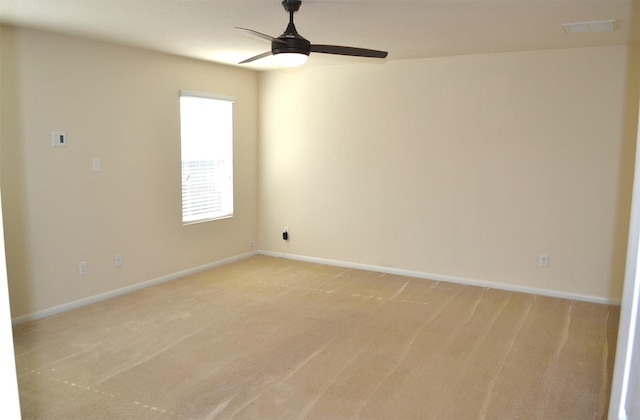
543 260
250 241
118 260
83 267
285 234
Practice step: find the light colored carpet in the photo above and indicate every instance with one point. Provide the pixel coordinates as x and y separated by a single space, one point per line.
269 338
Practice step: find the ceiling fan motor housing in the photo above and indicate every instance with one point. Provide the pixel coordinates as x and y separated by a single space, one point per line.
295 44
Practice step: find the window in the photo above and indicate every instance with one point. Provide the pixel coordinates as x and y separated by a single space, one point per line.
206 132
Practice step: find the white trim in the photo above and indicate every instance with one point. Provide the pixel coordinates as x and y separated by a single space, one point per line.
8 377
338 263
446 278
624 370
128 289
207 95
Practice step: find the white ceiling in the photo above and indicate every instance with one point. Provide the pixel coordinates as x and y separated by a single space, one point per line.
408 29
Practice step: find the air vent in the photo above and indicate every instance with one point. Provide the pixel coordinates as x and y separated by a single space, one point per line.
593 26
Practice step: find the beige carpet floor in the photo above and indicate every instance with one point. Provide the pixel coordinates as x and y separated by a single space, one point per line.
270 338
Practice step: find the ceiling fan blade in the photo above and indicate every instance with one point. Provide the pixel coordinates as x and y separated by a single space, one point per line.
263 36
353 51
257 57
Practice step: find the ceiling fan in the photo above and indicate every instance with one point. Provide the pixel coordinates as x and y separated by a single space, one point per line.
291 49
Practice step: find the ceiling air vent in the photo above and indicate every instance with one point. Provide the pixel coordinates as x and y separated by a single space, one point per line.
593 26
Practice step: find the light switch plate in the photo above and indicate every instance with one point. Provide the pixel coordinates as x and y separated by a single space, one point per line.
58 139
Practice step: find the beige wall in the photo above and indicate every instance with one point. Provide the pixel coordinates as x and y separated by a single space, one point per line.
465 167
121 105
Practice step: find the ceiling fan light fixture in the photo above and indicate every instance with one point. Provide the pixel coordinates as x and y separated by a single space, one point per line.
290 60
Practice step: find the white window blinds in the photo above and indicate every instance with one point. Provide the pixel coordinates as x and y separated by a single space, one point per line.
206 130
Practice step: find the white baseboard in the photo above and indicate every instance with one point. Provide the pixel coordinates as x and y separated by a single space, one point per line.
446 278
338 263
128 289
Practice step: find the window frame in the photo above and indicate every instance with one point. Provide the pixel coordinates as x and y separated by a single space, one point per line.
231 187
